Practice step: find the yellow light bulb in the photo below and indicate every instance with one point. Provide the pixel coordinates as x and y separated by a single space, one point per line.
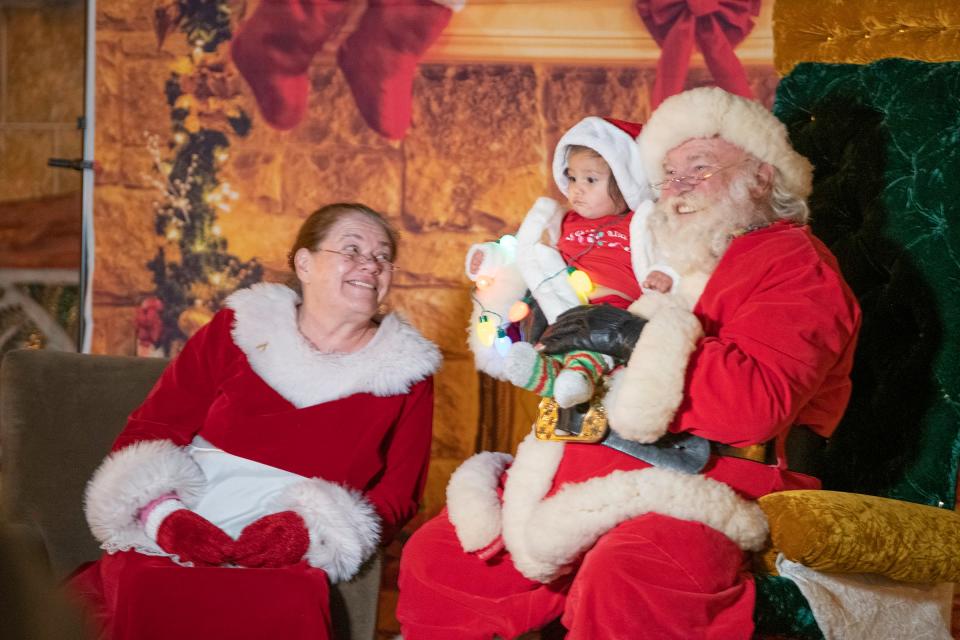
486 331
581 284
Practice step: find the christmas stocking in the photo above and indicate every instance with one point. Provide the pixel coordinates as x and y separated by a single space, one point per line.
273 50
381 56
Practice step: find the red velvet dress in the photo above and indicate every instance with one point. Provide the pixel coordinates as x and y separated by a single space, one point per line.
375 442
779 327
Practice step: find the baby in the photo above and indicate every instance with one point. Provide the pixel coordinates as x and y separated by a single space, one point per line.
597 166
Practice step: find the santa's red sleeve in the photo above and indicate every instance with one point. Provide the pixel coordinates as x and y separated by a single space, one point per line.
757 375
769 344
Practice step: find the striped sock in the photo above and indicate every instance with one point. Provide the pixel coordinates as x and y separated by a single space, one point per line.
590 364
543 375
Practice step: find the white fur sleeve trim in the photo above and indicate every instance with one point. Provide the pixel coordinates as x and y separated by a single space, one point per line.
473 505
343 525
569 522
644 397
642 253
130 478
528 481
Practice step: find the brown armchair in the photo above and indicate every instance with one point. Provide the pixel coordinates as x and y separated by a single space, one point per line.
59 414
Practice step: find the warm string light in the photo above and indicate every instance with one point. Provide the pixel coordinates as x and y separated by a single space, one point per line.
486 331
502 342
490 334
581 283
519 310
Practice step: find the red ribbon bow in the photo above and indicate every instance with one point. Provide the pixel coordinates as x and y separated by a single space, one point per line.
717 26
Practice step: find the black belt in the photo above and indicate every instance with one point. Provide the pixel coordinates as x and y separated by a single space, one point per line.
683 452
689 453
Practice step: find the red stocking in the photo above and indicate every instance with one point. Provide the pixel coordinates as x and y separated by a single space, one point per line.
381 56
273 50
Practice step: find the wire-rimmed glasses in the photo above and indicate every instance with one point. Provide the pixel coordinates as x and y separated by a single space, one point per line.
694 179
381 260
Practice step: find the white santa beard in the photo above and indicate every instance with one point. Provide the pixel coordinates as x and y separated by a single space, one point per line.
696 241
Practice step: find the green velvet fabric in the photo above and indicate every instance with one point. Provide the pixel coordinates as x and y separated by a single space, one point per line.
781 610
885 142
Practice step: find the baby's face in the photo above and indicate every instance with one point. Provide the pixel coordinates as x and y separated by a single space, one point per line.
588 188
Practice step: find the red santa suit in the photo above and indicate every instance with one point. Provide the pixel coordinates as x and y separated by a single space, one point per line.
250 420
776 351
616 547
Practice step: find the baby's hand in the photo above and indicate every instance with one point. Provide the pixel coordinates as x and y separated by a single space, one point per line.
658 281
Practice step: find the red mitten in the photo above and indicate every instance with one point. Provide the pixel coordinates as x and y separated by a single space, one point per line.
194 538
277 540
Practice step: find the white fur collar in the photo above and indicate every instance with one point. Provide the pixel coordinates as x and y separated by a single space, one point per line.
266 331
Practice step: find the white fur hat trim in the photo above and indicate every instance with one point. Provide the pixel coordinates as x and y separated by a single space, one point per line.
710 111
616 147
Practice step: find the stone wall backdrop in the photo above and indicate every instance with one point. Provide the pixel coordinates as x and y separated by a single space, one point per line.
490 101
41 97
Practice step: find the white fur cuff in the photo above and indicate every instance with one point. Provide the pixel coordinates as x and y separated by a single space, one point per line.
130 478
158 514
473 505
568 523
344 527
644 397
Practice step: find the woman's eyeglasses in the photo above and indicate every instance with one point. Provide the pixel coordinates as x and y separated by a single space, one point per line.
381 260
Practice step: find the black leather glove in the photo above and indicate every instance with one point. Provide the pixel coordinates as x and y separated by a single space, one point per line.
600 328
533 325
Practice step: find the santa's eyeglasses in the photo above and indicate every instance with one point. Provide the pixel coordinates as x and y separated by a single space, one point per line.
701 175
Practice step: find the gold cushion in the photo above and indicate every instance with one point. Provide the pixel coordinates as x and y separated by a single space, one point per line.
851 533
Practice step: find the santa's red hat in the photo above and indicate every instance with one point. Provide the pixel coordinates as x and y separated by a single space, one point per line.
710 111
615 141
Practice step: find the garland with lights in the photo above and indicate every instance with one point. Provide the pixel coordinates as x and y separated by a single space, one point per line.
191 287
500 254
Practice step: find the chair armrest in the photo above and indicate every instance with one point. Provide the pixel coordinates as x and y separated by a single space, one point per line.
353 604
840 532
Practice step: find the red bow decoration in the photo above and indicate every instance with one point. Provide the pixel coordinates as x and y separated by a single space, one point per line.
717 26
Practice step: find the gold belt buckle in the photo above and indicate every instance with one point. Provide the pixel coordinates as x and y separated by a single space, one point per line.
592 429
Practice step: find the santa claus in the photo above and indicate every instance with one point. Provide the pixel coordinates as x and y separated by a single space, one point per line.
617 547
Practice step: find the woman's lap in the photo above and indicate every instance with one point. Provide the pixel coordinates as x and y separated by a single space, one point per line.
138 596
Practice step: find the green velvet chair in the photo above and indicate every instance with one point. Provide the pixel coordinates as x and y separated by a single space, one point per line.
59 414
885 141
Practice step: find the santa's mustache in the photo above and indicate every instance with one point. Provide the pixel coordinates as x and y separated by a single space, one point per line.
693 230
